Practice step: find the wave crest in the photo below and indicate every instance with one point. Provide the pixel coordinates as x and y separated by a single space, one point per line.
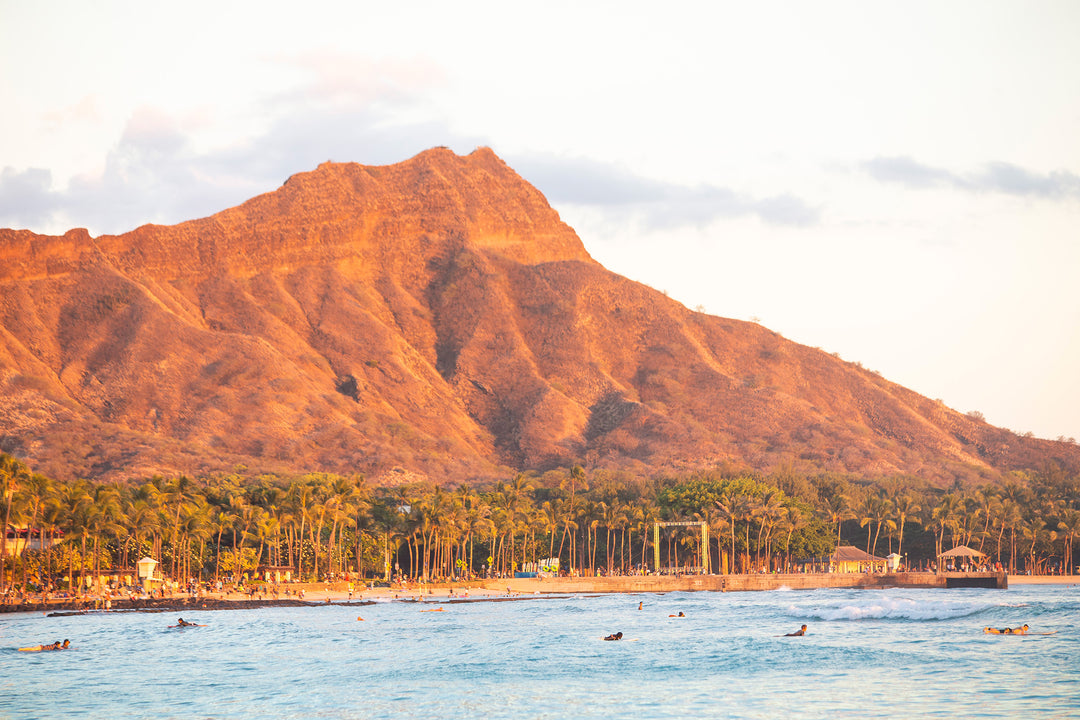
892 609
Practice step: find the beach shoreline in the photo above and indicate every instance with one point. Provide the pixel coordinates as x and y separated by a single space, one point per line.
323 594
1044 579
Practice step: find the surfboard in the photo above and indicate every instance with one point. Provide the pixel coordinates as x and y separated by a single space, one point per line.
187 626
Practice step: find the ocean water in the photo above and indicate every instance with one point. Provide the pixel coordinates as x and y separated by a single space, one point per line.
868 653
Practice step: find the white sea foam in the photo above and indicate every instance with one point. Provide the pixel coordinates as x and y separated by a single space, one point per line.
893 609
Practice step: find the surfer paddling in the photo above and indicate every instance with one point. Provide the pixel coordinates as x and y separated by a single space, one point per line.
1022 630
46 647
798 633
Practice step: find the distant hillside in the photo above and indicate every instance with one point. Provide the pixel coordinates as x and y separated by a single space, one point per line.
434 318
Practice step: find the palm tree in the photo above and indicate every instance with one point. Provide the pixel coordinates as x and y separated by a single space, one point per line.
196 525
1011 518
793 520
361 506
767 510
176 496
267 527
905 507
387 517
105 518
220 521
635 517
1034 530
650 513
613 516
300 497
729 511
944 516
511 500
577 480
988 501
838 510
34 492
873 509
12 474
79 505
1069 525
243 517
883 518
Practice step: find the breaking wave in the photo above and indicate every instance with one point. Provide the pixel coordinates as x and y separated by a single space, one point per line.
893 609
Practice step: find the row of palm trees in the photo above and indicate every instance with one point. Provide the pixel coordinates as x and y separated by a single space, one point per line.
600 522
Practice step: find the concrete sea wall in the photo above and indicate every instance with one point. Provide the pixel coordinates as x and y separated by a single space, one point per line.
738 583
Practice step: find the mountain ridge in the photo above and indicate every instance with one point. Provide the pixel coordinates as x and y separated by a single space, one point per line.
434 317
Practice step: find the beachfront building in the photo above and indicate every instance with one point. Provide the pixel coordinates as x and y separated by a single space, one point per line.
274 573
850 559
21 539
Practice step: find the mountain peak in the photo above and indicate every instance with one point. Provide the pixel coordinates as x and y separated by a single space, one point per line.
347 212
434 315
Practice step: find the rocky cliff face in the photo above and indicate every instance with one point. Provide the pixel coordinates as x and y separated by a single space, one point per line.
433 317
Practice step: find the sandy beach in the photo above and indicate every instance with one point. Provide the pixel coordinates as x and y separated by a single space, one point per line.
1044 579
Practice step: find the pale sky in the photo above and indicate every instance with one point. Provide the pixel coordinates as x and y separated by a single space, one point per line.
898 183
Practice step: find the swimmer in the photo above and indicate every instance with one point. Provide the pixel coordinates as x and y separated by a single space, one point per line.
798 633
616 636
681 614
640 604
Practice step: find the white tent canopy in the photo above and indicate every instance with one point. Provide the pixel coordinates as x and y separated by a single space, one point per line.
962 551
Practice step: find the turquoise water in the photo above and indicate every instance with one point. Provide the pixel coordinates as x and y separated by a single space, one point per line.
868 653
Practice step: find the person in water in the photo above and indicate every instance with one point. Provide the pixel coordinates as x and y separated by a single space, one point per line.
616 636
1022 630
798 633
57 645
181 622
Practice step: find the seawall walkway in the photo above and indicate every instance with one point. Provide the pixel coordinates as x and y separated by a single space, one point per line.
739 583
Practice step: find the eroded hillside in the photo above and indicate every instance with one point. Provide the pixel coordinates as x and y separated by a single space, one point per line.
433 317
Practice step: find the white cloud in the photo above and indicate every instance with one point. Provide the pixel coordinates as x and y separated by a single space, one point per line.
655 204
346 109
26 198
1001 177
